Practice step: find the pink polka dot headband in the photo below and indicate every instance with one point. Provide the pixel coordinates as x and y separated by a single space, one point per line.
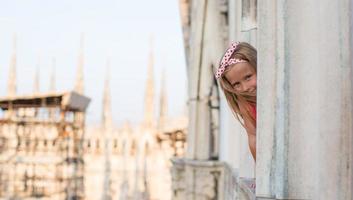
227 61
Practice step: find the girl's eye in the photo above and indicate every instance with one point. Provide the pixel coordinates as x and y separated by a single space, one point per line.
237 85
247 77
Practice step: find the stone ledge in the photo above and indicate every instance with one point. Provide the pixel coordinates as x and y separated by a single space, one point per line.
268 198
197 163
195 179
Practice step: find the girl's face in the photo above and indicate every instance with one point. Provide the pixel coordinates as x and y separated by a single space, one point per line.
242 78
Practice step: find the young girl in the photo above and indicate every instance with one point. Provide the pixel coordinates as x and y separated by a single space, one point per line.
237 77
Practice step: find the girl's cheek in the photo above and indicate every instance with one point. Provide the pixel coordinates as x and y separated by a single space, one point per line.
254 83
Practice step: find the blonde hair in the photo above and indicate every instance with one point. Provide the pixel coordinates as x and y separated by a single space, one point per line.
240 102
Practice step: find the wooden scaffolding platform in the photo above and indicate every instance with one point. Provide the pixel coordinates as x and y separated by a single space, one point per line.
41 138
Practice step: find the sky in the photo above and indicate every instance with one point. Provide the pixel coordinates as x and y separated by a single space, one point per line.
119 29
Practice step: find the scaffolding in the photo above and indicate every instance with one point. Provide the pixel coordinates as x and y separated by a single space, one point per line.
41 146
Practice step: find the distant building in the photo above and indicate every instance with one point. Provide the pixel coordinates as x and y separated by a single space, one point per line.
47 151
133 162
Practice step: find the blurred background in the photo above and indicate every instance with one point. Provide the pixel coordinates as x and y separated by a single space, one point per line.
93 98
124 31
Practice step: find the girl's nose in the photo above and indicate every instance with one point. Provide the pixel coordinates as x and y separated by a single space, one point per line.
245 87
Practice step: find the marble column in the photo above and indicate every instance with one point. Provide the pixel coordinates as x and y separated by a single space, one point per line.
304 137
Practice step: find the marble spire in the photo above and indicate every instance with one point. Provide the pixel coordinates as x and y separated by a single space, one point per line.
107 129
107 107
36 83
149 92
52 86
79 84
12 81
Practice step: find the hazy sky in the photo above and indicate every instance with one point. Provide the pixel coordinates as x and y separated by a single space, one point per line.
119 28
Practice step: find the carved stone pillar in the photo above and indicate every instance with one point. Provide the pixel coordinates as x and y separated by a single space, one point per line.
198 180
200 176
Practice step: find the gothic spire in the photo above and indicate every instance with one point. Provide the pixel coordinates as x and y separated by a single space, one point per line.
107 128
52 87
36 84
79 85
149 92
107 107
12 85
